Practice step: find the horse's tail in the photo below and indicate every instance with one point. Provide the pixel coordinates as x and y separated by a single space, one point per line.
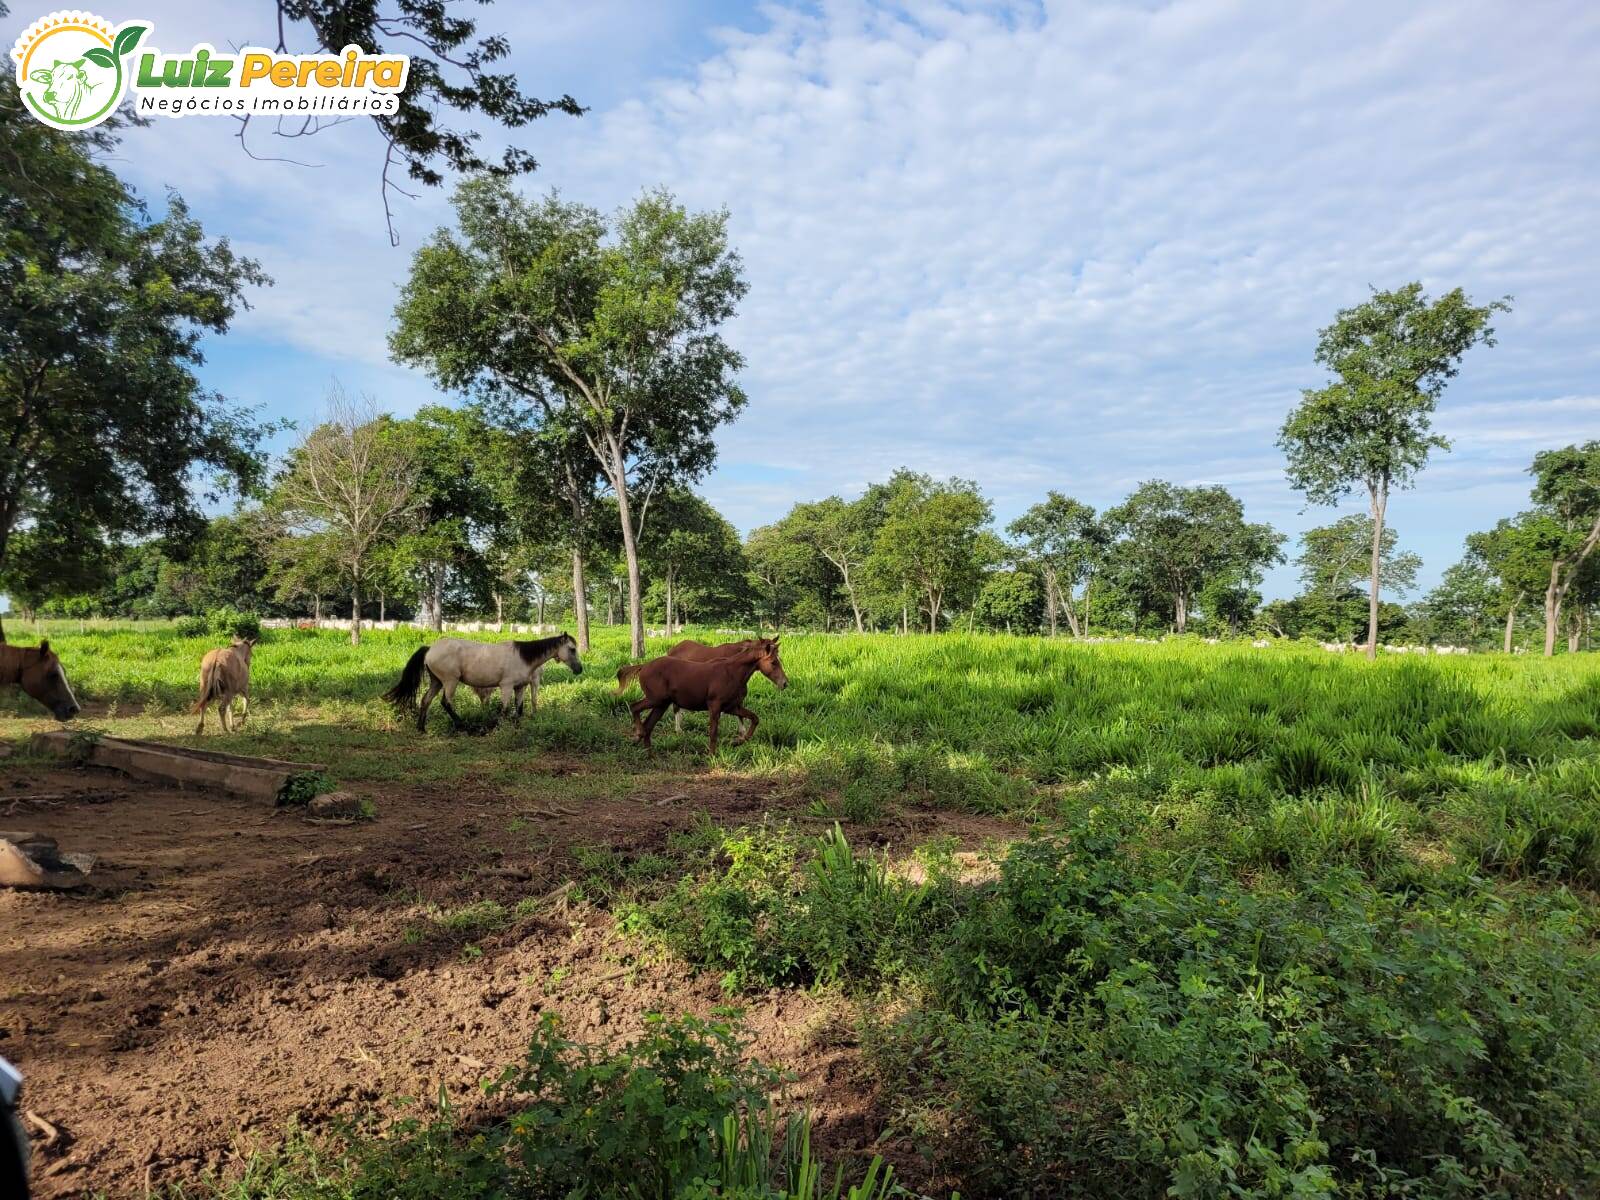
209 670
404 693
626 675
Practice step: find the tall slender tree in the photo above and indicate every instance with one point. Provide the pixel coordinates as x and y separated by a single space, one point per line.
1372 427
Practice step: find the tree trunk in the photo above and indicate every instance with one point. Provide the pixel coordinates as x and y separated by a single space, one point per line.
580 600
669 600
1552 609
1511 621
500 613
1180 614
1380 499
1574 629
383 605
316 609
1052 601
905 618
355 616
630 550
436 622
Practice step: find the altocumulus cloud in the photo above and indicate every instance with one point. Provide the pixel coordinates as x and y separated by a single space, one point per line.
1078 246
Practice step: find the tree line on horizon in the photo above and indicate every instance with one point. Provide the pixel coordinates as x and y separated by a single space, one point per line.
588 350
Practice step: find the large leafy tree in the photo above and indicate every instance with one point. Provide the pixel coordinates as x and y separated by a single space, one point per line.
930 541
608 329
1173 541
457 503
841 533
104 427
548 485
1372 426
1567 488
1064 540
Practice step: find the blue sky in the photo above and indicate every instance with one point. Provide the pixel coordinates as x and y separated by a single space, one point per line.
1039 246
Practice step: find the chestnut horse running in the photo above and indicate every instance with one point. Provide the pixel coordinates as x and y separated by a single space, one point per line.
38 671
701 652
710 687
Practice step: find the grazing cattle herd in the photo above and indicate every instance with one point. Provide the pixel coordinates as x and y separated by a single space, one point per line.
692 676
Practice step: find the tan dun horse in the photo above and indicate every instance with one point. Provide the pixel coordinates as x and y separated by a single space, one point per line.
225 675
701 652
37 670
710 687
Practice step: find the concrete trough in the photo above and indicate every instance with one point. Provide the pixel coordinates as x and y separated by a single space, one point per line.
265 779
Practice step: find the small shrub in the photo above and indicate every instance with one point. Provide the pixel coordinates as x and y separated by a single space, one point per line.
231 623
191 627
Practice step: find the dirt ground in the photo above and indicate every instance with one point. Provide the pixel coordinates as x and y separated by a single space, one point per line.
234 967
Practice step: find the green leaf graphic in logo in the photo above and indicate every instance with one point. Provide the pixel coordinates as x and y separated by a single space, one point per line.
128 39
100 56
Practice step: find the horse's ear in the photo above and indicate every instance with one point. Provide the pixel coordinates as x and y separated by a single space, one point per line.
44 646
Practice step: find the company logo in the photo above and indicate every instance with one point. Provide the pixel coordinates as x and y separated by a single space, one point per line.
73 69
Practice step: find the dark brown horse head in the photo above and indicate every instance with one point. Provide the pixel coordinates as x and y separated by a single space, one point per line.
769 664
40 673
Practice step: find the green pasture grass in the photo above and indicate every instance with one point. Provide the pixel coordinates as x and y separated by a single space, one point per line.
1289 743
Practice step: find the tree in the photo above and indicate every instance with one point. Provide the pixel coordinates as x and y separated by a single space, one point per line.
1171 542
1515 555
1567 487
1373 426
842 533
549 488
1012 600
351 487
456 502
608 330
929 540
103 425
1331 555
451 68
1064 540
692 550
782 570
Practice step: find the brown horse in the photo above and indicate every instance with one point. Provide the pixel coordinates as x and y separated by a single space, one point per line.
224 675
700 652
710 687
38 671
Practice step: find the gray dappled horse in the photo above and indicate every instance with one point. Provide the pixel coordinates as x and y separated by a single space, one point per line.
509 666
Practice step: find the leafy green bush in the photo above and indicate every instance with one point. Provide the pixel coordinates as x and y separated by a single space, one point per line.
191 627
231 623
762 920
1105 1022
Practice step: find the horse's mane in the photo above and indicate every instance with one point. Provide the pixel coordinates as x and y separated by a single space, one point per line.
542 648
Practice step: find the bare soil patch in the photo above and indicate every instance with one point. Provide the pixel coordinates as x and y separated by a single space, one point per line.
235 967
